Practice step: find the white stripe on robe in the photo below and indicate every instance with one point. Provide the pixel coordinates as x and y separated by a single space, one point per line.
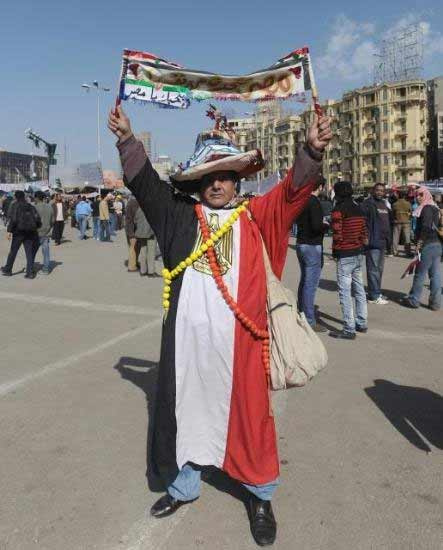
204 360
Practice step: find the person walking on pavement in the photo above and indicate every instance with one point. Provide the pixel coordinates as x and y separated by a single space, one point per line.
60 215
105 235
402 211
46 213
213 402
131 210
349 238
24 221
378 220
82 212
95 207
146 244
430 249
310 232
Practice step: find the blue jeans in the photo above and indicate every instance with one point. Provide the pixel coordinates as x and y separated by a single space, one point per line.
105 233
113 222
375 263
44 243
350 284
82 224
186 486
96 227
310 259
429 265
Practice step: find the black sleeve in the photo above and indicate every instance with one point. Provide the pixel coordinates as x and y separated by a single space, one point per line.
316 217
12 215
427 225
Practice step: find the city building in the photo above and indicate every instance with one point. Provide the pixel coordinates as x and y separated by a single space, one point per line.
382 131
435 134
164 166
21 168
145 138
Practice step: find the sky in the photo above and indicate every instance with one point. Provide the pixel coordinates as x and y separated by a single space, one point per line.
50 48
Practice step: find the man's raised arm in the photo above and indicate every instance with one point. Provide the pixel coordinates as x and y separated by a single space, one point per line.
155 197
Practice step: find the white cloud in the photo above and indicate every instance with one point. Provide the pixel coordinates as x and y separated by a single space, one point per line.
349 53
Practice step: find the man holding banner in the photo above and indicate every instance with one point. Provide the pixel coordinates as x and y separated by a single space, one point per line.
213 406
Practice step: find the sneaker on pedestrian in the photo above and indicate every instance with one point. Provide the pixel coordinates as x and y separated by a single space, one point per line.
380 301
343 335
363 330
319 328
30 276
6 273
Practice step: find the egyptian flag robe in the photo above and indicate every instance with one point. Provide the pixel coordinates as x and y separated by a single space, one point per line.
212 404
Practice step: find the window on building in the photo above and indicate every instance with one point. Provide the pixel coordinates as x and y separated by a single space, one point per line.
385 94
385 127
385 177
385 110
385 159
386 144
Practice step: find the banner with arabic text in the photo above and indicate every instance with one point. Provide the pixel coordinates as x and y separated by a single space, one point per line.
148 78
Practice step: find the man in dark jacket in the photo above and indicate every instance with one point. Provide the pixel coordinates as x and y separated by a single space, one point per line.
309 248
24 222
348 243
378 220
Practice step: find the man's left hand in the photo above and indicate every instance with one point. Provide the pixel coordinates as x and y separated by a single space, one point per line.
320 133
9 236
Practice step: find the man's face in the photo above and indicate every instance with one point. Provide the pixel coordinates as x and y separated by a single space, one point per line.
379 192
217 189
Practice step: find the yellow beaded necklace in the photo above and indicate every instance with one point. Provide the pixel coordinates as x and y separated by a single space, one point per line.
168 275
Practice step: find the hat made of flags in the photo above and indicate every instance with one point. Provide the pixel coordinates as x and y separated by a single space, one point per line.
216 151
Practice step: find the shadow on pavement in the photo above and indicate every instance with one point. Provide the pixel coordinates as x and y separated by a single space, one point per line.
393 295
39 266
417 413
324 317
326 284
146 380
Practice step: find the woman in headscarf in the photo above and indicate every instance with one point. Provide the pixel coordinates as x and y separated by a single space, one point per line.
429 246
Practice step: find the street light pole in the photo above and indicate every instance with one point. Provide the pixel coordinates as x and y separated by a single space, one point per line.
99 89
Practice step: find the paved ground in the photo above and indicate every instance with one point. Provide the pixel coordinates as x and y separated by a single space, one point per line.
361 447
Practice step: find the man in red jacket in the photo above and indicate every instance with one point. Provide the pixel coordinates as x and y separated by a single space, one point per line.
348 242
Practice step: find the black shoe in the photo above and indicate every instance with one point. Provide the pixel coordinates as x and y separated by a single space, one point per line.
363 330
166 506
406 302
6 273
262 520
30 276
319 328
343 335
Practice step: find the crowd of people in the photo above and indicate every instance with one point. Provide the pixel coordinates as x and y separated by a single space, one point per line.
367 230
32 221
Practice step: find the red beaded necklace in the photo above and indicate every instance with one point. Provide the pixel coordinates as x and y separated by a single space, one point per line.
248 323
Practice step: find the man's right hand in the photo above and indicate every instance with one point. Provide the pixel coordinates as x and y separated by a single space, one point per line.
119 124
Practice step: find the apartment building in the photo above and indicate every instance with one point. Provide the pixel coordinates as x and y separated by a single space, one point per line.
383 133
379 135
